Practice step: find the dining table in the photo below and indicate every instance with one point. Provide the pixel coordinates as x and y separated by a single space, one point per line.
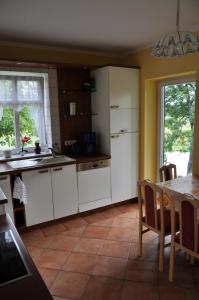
181 185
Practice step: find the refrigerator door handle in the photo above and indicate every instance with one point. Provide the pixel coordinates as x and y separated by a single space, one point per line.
123 130
114 106
115 136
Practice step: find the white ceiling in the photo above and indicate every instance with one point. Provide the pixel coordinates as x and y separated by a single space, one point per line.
112 26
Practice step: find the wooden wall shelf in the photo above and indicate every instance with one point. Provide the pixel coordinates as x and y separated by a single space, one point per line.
77 116
70 82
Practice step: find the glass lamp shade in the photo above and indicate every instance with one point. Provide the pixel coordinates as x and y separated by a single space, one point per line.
176 44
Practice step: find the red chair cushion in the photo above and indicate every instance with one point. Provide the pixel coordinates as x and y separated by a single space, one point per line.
189 246
167 220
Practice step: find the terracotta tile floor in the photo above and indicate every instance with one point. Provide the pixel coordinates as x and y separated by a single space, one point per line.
96 258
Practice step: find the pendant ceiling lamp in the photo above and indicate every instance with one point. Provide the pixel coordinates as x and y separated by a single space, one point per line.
177 43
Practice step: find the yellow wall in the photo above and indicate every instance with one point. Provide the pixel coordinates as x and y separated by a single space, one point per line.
53 56
152 71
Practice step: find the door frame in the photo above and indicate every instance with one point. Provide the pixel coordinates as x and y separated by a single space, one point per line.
160 123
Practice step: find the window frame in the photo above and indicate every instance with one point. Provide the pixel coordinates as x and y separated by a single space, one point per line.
41 78
160 123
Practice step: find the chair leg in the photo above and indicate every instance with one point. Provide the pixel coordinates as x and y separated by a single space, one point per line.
140 239
161 254
171 263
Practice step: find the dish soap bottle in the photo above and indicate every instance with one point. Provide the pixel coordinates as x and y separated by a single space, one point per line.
37 149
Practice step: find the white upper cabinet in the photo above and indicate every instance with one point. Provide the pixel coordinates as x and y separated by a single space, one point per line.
39 207
124 87
5 186
124 120
64 188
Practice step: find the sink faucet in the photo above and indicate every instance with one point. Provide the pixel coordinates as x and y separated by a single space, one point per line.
54 153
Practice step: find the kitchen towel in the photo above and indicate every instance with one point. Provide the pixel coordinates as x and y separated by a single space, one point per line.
2 195
2 206
20 191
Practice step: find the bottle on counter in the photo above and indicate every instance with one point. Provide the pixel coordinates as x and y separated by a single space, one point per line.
37 149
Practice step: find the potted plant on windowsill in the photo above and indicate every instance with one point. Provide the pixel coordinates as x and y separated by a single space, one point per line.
24 140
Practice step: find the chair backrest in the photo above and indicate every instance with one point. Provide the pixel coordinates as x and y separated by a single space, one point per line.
188 213
168 172
150 198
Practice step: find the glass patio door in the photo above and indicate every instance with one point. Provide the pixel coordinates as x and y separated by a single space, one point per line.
177 124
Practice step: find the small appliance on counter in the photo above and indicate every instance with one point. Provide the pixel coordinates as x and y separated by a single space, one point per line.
89 143
7 153
37 149
76 149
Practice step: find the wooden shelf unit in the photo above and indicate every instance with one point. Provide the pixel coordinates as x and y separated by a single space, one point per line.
70 87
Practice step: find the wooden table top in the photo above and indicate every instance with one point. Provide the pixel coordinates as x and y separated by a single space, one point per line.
187 184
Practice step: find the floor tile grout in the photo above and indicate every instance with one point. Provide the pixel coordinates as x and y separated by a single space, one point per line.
127 255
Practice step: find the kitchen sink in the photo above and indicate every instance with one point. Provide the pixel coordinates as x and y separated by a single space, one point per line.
27 163
53 160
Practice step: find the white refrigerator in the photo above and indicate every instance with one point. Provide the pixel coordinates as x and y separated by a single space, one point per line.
115 108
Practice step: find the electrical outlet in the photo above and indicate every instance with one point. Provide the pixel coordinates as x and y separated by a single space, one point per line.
69 142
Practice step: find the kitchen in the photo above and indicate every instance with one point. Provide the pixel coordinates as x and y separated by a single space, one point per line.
82 237
59 186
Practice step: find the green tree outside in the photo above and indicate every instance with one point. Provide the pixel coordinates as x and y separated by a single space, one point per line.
7 128
179 113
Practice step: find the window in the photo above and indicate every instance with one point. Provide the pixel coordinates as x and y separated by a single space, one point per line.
177 124
24 109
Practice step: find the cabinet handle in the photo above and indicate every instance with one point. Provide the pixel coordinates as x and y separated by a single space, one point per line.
58 169
123 130
3 178
94 166
114 106
115 136
43 171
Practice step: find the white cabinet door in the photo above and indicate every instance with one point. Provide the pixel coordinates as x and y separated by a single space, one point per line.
39 207
124 120
124 166
94 185
124 87
5 186
64 187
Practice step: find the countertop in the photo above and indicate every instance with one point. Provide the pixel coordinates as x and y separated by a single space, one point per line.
85 159
28 163
25 156
31 287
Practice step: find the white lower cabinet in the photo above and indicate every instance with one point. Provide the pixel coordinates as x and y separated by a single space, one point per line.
39 207
64 189
94 188
124 166
52 194
5 186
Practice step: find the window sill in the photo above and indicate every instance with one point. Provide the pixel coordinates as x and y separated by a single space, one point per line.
25 156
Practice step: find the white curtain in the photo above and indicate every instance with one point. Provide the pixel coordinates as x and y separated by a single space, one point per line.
19 91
